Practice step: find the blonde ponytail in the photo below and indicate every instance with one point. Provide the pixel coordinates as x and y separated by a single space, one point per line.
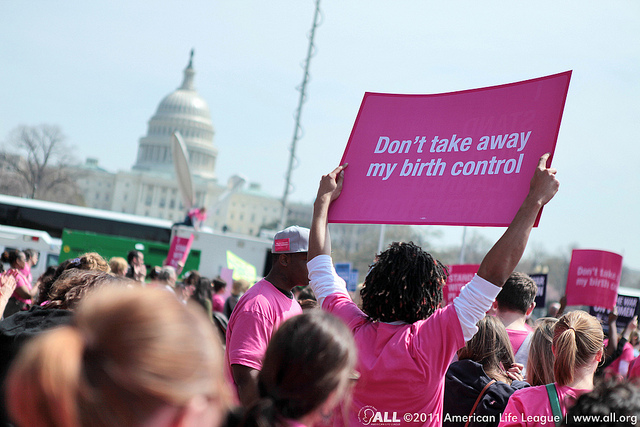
132 354
43 383
577 339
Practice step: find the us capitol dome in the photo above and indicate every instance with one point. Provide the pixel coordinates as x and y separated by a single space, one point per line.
150 188
183 110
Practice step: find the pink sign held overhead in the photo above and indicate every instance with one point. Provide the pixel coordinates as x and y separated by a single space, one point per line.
594 277
179 250
459 275
460 158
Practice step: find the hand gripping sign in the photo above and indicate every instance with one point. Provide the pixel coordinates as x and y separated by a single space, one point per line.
460 158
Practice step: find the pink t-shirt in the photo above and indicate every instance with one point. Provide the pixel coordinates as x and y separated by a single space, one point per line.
517 337
531 407
402 366
21 280
627 356
217 303
255 318
26 271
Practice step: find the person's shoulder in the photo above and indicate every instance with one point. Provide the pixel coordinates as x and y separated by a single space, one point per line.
441 315
34 321
465 370
525 393
258 298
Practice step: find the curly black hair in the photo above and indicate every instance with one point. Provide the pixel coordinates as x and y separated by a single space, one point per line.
405 283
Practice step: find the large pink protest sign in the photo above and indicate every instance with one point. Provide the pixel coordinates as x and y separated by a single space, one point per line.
460 158
594 277
459 275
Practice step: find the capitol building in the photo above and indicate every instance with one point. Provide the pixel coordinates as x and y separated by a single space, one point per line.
151 188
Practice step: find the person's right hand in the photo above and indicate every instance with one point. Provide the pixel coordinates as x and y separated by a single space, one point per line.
633 324
544 184
613 315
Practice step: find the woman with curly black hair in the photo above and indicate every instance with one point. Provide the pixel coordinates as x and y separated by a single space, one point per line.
405 339
405 284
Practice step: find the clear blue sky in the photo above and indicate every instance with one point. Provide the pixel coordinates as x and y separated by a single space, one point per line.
99 70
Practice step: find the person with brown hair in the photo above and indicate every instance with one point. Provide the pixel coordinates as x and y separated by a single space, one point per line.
540 361
478 385
306 372
133 357
118 266
578 345
513 306
87 261
72 285
137 269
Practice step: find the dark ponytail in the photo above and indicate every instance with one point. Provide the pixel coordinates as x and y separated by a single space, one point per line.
309 359
263 413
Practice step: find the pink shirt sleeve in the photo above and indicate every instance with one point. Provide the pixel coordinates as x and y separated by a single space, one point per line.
249 340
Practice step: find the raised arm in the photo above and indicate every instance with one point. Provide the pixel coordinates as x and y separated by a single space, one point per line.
329 190
504 256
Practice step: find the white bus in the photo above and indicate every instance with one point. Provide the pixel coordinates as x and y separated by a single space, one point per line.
48 247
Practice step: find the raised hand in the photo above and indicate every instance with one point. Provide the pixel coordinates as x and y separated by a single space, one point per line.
544 184
331 184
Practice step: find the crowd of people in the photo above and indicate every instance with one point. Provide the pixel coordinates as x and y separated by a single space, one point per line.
113 343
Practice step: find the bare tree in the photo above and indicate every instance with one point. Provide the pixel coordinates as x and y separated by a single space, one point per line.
36 162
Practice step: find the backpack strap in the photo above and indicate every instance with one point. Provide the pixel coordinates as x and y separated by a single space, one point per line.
475 405
555 402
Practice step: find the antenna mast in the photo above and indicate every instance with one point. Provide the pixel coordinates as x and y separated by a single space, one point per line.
297 130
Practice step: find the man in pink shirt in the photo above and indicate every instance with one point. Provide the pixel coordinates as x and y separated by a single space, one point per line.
405 340
513 305
261 310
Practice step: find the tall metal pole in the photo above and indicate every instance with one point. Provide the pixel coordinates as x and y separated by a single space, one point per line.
297 130
463 247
